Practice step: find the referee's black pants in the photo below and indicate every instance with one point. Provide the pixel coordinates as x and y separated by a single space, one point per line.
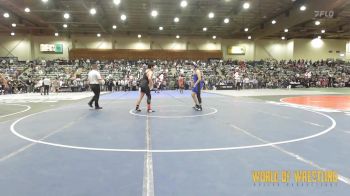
46 89
96 89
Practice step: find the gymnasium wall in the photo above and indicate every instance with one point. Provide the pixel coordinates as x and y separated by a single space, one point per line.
92 42
247 44
348 50
28 47
319 48
276 49
110 54
15 47
167 44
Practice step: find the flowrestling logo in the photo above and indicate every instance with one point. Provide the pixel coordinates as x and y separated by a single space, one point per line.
324 14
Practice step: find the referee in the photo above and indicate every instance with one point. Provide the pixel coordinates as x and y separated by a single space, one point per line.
46 83
95 79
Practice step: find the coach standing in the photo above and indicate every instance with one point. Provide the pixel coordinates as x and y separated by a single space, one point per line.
95 79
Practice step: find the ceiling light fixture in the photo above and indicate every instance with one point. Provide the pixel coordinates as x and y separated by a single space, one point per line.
14 25
44 1
176 19
13 33
117 2
317 22
98 35
246 29
178 37
286 30
283 38
139 35
246 5
302 8
205 28
211 15
249 37
27 9
154 13
66 16
273 22
65 25
161 28
317 43
6 15
214 36
183 3
123 17
226 20
114 26
323 31
92 11
56 34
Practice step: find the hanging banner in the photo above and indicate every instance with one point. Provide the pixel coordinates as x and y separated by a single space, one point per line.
56 48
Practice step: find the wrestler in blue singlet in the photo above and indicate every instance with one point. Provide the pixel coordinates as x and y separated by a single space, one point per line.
197 90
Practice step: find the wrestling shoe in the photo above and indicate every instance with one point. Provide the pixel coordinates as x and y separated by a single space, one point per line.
150 111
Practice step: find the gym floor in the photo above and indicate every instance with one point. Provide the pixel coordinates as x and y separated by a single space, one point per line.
57 145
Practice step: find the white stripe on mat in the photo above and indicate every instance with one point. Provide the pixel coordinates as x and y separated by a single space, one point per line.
148 183
22 111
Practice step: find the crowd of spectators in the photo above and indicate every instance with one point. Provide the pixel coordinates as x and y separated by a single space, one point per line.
123 75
